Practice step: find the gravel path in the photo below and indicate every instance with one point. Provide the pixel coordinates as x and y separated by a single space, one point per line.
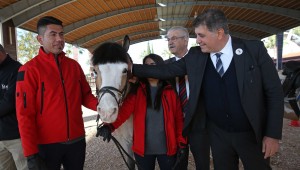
105 156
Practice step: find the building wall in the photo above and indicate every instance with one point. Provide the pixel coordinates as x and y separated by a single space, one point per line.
9 38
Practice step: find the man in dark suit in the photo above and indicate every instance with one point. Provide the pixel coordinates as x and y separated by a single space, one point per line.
241 102
178 38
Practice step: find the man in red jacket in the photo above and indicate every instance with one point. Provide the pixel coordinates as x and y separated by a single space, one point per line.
51 88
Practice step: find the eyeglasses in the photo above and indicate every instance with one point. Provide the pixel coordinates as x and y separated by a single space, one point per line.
174 38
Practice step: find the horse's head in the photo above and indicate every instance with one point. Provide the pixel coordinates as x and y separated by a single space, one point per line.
110 62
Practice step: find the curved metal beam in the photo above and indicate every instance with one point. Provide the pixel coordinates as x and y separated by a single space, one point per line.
120 38
90 37
292 13
261 27
18 8
257 26
158 37
266 8
130 35
144 39
236 34
84 22
133 42
38 10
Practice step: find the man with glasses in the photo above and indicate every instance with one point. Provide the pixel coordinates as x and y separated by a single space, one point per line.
178 38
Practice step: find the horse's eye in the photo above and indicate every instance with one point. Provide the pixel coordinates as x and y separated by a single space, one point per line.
125 71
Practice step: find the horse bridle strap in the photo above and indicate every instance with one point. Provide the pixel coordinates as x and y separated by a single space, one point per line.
110 90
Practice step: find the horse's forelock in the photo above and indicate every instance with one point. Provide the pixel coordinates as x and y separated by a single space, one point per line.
109 53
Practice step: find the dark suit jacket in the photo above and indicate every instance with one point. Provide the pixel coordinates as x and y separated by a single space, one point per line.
258 84
172 80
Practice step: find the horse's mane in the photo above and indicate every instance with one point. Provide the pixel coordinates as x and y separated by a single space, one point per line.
109 52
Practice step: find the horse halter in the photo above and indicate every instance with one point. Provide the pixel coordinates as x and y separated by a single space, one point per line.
110 90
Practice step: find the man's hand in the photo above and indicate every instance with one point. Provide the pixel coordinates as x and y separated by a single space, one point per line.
181 152
270 146
105 132
35 162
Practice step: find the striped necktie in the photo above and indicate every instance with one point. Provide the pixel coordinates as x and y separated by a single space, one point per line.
182 93
219 64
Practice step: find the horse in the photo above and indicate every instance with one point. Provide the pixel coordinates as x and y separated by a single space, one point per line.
111 63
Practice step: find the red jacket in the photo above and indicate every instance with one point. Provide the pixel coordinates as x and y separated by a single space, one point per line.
49 99
173 118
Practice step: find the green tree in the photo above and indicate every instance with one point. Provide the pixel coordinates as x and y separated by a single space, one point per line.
297 30
68 49
166 53
270 42
28 45
148 50
194 44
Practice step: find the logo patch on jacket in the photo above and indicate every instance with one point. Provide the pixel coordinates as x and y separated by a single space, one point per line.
4 87
21 76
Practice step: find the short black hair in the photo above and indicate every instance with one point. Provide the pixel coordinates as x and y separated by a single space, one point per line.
44 21
213 19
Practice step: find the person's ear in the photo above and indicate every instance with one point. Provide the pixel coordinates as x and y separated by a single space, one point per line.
40 39
220 33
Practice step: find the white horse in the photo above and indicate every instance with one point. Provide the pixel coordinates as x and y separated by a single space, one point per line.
111 63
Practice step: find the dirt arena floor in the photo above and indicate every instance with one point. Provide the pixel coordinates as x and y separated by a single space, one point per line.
105 156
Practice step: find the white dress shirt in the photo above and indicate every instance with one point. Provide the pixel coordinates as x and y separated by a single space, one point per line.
226 57
186 81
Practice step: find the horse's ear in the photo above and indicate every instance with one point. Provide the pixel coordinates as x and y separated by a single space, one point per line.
126 42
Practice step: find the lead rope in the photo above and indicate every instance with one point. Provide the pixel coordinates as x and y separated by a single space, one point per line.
120 148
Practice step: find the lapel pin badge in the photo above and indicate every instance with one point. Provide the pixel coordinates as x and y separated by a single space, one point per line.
238 51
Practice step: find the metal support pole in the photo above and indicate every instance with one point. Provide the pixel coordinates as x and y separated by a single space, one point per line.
1 34
279 45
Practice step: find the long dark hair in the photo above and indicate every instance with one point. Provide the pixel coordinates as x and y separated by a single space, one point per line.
160 86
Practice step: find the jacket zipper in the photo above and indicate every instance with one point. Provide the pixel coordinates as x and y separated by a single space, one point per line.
65 97
165 123
42 97
167 102
24 100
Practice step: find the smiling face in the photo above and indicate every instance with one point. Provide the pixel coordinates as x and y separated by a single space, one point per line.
177 42
208 40
52 39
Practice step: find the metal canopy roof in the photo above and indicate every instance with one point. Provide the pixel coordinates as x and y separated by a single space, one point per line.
88 23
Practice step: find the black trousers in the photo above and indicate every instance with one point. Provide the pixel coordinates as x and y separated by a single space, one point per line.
200 148
71 156
228 147
183 165
147 162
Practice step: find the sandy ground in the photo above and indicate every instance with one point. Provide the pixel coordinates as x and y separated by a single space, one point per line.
105 156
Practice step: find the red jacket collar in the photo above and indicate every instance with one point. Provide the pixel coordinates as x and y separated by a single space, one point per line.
50 56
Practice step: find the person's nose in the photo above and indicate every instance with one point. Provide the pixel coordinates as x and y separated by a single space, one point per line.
198 40
59 37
